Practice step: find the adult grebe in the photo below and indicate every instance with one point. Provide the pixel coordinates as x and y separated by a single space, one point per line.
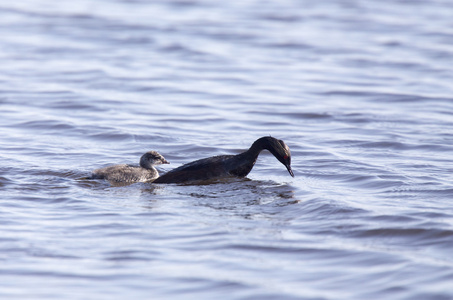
229 165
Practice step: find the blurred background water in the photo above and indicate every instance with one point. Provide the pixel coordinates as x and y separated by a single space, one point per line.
360 91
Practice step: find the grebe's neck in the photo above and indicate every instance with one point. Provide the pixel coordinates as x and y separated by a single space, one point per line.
258 146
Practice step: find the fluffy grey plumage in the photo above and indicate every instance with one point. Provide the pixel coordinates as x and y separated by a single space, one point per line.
119 174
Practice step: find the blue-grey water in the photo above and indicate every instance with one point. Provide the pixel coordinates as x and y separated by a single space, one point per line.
361 91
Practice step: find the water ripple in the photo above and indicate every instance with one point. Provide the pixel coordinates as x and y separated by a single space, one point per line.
361 93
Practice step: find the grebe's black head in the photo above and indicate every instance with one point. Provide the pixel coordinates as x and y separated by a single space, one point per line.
151 158
280 151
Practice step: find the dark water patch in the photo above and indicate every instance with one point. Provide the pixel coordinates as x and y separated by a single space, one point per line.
415 235
404 146
62 274
309 116
155 140
45 125
431 215
27 195
356 118
111 136
4 181
383 97
437 192
70 105
395 219
129 256
186 51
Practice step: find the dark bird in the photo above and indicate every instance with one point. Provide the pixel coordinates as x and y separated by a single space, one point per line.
123 174
229 165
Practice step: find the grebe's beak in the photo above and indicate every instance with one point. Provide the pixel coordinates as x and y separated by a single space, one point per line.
288 167
164 161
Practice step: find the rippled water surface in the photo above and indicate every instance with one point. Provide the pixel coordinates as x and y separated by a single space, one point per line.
360 91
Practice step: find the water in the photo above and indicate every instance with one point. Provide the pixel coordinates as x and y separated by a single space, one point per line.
359 90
